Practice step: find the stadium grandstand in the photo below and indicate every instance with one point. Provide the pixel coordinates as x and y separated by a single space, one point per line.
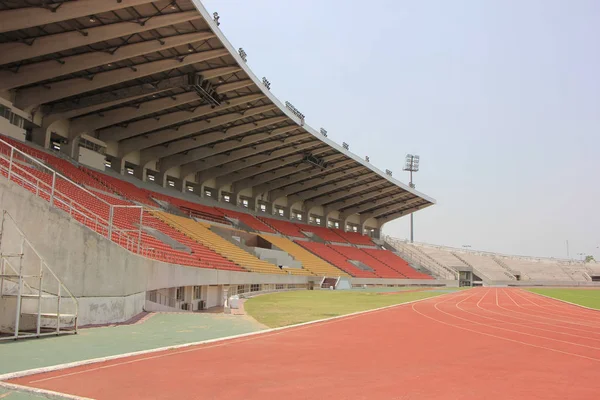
145 170
139 121
145 166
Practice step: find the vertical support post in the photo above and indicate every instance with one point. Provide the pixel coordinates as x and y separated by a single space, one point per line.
10 162
2 272
39 311
2 260
411 214
18 308
110 221
140 230
58 309
20 291
52 188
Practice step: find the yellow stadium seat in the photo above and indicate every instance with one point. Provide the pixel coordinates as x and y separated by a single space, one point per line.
309 261
201 232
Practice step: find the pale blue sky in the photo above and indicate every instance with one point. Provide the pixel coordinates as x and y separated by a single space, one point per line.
501 99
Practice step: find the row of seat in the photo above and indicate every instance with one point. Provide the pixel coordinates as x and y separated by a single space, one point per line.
380 269
248 220
123 188
397 263
201 233
335 258
310 261
209 250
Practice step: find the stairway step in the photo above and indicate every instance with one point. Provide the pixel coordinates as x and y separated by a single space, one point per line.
50 315
31 296
10 255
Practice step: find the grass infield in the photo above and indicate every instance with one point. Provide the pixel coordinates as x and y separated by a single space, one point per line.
584 297
287 308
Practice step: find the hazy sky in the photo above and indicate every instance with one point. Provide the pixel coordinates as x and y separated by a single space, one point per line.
501 99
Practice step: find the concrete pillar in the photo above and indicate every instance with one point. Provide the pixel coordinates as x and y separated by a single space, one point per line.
160 178
41 137
179 184
140 173
118 165
225 292
71 148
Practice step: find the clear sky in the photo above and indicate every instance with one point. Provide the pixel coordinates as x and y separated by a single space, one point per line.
501 99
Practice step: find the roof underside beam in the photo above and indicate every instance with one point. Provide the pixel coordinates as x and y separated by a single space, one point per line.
50 69
292 188
334 197
90 123
404 206
221 165
395 215
360 199
36 95
157 138
119 133
332 187
76 112
18 51
194 151
105 99
266 172
29 17
361 208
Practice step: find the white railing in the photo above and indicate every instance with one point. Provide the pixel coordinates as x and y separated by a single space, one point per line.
13 163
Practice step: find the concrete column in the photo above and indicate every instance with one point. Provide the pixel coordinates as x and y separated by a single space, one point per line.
71 149
160 178
225 292
179 185
140 173
118 165
41 137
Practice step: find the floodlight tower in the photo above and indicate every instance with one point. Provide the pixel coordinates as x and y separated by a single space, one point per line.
411 165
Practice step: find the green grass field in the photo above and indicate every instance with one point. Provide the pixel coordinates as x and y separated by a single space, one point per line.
585 297
287 308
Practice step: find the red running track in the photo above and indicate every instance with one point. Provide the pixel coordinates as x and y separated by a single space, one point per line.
491 343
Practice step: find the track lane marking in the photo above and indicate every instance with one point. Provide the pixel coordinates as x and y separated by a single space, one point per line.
496 336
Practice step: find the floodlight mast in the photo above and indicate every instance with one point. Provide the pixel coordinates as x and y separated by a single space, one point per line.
411 165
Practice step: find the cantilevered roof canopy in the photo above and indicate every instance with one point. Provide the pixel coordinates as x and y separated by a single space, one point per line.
159 80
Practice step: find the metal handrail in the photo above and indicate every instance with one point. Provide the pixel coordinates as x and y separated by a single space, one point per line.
102 226
421 258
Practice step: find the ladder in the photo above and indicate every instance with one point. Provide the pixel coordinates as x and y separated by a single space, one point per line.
42 304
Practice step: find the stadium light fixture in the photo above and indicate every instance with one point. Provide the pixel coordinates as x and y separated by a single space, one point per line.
323 132
412 165
266 82
242 54
346 145
216 18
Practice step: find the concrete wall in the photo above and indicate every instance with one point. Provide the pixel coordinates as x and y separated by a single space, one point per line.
408 282
11 130
109 281
91 158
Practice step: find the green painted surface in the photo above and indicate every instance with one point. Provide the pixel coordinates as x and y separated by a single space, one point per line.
6 394
158 331
281 309
585 297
